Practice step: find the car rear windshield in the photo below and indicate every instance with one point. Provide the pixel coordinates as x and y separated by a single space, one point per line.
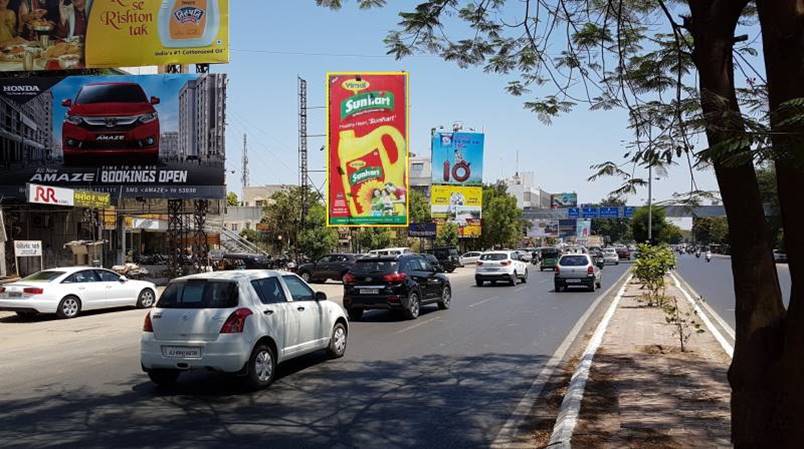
376 266
574 261
43 276
111 93
494 256
549 253
199 294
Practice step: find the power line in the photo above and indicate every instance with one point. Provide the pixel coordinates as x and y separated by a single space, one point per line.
335 55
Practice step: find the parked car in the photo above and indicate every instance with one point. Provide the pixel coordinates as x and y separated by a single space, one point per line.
577 270
331 266
448 257
549 258
610 256
245 262
389 252
242 323
496 266
434 262
110 120
470 258
69 291
779 256
398 283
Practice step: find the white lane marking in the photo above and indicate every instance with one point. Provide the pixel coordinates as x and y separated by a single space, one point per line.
728 348
421 323
490 298
508 432
571 405
720 321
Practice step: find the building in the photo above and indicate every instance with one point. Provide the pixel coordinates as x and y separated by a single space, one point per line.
169 146
527 194
420 173
239 218
26 131
202 119
260 196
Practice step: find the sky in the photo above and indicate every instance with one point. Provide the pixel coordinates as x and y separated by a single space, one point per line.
273 44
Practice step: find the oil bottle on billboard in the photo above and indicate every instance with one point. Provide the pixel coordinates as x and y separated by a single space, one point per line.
188 23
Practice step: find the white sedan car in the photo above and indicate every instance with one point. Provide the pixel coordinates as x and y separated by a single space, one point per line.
610 256
68 291
239 322
470 258
496 266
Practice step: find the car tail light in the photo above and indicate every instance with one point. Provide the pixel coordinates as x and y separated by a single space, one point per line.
236 321
148 326
479 263
590 270
33 291
395 277
349 278
505 263
2 289
558 270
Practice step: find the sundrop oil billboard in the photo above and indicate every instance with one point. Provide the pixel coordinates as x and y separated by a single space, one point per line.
367 149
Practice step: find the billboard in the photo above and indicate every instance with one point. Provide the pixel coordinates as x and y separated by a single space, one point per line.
460 205
367 149
567 228
63 35
542 228
562 200
130 136
583 229
457 158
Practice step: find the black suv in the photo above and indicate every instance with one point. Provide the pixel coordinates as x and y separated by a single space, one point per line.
399 283
245 262
448 257
331 266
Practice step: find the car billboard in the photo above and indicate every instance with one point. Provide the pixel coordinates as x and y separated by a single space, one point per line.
367 152
457 158
63 35
563 200
460 205
130 136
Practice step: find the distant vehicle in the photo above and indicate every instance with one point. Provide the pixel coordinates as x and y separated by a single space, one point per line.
470 258
610 256
245 262
448 257
550 258
597 257
242 323
398 283
779 256
623 253
389 252
69 291
577 270
434 262
525 254
331 266
495 266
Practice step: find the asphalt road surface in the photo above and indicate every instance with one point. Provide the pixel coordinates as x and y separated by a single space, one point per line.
447 380
714 282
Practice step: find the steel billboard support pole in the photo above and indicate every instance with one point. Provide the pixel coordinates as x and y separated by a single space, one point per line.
650 203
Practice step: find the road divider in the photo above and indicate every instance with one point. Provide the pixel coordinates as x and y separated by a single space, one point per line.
727 347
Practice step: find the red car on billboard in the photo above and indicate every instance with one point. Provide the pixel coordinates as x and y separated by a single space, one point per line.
115 120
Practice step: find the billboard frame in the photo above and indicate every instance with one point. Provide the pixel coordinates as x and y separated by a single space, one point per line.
328 134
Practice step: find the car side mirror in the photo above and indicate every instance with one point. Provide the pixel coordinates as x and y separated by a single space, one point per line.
320 296
67 103
155 100
123 279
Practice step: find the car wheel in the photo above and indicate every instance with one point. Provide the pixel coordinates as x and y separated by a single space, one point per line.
69 307
25 315
261 367
446 298
337 344
599 284
164 377
514 277
355 314
558 288
146 299
414 306
525 278
592 287
306 276
479 283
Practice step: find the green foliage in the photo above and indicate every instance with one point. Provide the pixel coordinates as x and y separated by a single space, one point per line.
374 238
317 239
615 230
684 323
663 231
447 235
502 219
651 267
283 218
419 207
710 230
231 199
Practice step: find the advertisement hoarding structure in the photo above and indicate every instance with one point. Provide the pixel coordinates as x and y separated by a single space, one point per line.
120 33
543 228
133 136
460 205
457 177
367 149
562 200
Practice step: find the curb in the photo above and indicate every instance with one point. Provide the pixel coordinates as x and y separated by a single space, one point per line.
727 347
561 436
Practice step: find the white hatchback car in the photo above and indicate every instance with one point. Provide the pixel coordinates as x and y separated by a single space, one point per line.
496 266
610 256
69 291
470 258
240 322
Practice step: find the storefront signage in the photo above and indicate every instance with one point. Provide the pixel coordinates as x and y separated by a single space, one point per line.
129 136
427 230
120 33
367 160
54 196
27 248
93 200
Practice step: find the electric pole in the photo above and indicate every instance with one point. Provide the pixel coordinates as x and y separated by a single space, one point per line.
244 179
304 179
650 203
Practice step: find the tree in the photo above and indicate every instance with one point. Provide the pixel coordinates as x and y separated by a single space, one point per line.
317 239
710 230
419 207
616 230
231 199
374 238
447 235
502 219
676 78
639 225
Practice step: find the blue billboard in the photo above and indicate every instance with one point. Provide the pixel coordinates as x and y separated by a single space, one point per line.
458 158
609 212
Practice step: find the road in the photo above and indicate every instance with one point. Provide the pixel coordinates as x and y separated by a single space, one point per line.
714 282
447 380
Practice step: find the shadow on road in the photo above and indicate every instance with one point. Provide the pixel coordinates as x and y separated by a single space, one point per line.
432 401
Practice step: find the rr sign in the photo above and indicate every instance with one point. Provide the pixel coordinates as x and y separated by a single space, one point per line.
54 196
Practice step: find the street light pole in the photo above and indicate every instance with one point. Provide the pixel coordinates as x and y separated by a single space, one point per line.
650 203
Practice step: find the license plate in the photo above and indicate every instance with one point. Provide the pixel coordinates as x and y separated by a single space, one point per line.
14 294
573 281
181 352
492 269
369 291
